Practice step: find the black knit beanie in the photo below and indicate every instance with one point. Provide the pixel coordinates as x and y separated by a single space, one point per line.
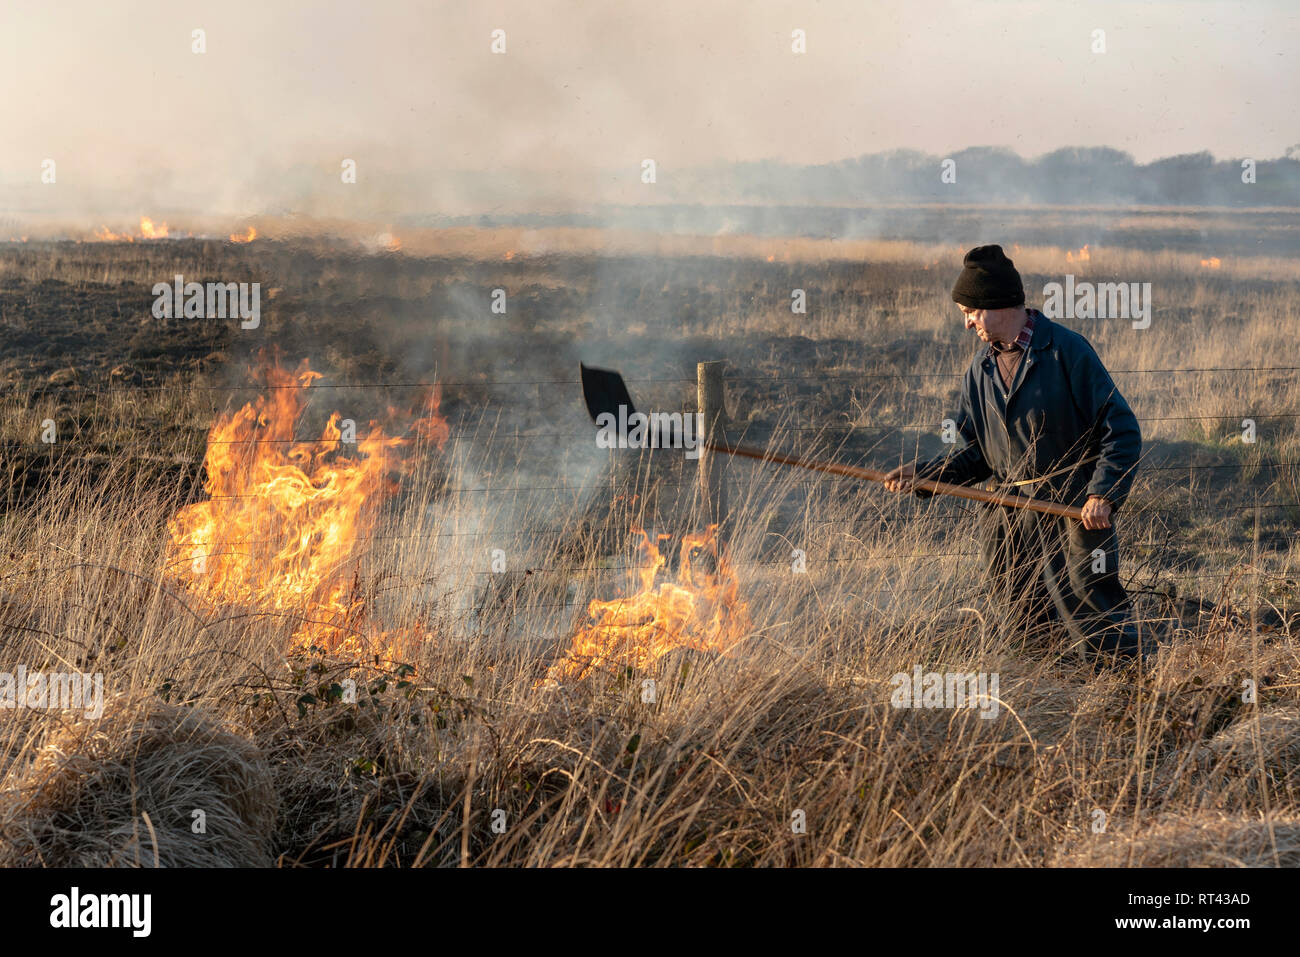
988 280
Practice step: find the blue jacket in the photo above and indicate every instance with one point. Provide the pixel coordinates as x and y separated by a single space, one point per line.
1062 414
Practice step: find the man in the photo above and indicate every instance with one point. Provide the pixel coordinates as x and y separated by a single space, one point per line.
1040 413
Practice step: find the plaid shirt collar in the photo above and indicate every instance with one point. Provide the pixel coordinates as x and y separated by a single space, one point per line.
1022 340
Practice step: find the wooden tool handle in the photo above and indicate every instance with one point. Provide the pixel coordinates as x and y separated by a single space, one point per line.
925 485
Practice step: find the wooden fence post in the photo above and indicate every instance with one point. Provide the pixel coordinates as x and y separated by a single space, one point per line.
711 400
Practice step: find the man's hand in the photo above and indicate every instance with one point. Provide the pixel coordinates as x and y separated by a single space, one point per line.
1096 513
901 478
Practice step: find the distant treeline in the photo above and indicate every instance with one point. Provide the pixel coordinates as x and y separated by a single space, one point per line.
983 174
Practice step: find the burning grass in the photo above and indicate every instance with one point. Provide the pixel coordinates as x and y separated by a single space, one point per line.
284 515
701 611
148 230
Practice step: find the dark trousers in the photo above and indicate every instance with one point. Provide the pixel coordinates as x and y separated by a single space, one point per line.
1046 570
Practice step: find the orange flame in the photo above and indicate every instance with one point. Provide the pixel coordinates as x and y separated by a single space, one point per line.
1214 262
701 610
510 254
148 230
387 241
1082 256
283 516
247 237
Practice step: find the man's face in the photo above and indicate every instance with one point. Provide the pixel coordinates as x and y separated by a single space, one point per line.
994 325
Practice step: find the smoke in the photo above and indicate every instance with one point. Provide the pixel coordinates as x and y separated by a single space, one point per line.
557 112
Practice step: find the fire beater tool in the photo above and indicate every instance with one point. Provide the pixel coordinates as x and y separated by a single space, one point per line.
604 391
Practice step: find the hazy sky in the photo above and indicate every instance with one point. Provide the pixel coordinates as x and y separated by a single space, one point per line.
286 89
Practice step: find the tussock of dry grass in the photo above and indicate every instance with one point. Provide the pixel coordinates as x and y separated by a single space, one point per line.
118 791
1206 840
1266 743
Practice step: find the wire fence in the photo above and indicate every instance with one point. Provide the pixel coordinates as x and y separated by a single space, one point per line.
86 438
112 387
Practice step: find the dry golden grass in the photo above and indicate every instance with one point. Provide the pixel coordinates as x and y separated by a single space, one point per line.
797 719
